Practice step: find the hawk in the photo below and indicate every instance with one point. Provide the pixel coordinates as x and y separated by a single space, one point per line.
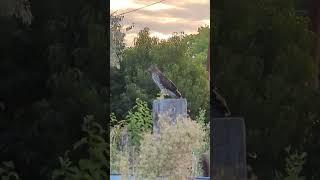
165 85
219 104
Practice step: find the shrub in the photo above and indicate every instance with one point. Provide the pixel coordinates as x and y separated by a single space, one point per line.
170 153
176 150
95 166
125 136
294 166
139 121
7 171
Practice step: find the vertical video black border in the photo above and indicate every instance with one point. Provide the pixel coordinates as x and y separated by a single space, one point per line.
107 11
210 86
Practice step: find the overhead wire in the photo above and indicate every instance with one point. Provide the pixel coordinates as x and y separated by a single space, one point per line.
138 8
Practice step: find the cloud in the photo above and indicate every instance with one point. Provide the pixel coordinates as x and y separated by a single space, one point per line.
176 2
164 18
187 11
168 27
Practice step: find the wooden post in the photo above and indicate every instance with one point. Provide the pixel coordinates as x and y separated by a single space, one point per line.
227 144
171 107
229 149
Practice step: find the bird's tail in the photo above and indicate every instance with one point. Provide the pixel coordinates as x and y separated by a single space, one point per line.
179 94
228 113
223 102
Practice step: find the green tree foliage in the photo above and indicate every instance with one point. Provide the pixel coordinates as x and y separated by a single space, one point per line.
126 135
181 58
19 9
7 171
52 74
95 165
294 166
116 41
263 63
139 121
117 46
199 43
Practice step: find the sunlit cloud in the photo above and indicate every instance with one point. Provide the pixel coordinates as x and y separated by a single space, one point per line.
176 2
160 7
122 4
128 5
129 38
160 35
163 18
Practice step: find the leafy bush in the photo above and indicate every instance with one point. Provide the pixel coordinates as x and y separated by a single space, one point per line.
7 171
294 165
93 167
138 154
125 136
115 138
139 121
170 153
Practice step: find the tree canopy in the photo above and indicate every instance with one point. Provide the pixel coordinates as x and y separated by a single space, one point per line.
53 73
182 58
263 62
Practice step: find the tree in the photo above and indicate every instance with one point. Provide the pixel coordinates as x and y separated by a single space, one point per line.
263 63
56 68
117 44
175 58
16 8
117 47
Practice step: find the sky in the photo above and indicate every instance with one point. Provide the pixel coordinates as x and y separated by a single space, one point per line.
163 18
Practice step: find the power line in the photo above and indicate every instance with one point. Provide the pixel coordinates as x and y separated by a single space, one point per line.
140 8
114 12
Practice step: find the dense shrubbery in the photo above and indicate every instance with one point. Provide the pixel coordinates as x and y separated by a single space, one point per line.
175 151
93 166
8 171
53 73
294 165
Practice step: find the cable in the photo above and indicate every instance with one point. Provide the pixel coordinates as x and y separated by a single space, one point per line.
140 8
114 12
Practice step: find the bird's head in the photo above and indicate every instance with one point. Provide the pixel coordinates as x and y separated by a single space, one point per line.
152 69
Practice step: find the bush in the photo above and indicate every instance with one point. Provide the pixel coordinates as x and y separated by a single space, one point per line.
126 135
139 121
7 171
170 153
95 165
176 150
294 165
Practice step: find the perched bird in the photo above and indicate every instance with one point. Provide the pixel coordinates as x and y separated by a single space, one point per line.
219 104
166 85
220 107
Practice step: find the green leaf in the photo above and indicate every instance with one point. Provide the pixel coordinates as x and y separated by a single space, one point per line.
2 171
81 142
85 164
8 164
13 176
